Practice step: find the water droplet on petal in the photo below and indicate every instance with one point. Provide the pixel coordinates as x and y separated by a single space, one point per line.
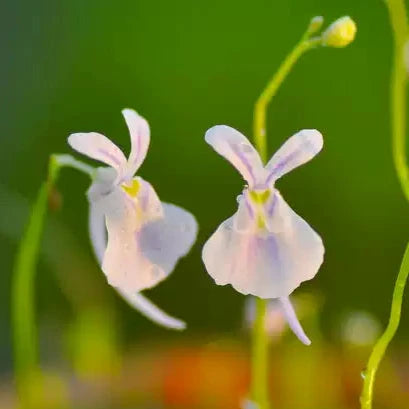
246 148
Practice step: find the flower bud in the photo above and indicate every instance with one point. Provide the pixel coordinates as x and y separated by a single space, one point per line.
340 33
315 24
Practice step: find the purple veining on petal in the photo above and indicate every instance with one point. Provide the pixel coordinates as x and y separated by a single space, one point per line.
272 205
144 200
275 255
242 261
248 205
280 165
260 186
245 161
291 317
232 268
137 149
131 202
110 156
272 244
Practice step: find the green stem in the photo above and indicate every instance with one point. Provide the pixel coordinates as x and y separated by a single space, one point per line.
383 342
398 18
23 300
270 90
259 364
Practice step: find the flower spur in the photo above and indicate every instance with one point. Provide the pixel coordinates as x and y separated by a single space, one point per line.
137 238
265 249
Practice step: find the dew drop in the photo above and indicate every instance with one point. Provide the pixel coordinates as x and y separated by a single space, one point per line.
246 148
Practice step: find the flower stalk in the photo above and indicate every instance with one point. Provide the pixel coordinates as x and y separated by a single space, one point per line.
259 364
260 109
339 34
379 349
23 286
400 28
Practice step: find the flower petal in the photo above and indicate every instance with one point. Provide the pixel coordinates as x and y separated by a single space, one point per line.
297 150
98 235
149 201
124 264
237 149
140 138
97 231
151 311
166 240
267 265
98 147
244 219
291 317
145 238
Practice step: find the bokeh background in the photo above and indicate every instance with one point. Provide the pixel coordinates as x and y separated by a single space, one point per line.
70 66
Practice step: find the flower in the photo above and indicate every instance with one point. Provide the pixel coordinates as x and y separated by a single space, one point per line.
137 238
265 248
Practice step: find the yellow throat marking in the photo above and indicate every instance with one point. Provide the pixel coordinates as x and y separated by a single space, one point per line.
133 188
260 198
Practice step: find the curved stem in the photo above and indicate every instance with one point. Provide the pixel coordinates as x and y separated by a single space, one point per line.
271 89
22 297
259 364
398 18
380 347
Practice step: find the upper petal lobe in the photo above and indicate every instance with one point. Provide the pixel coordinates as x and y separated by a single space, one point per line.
98 147
237 149
297 150
140 137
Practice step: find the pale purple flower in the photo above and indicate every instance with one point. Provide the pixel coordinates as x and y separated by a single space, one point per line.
137 238
265 249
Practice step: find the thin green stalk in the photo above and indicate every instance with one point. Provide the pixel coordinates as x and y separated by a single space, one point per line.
379 349
398 18
271 89
23 288
259 365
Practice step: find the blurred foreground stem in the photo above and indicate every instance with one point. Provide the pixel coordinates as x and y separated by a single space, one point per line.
398 18
259 365
23 287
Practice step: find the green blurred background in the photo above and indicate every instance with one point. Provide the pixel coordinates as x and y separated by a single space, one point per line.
70 66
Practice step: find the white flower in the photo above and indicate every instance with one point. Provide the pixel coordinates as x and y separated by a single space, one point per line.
137 239
265 249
